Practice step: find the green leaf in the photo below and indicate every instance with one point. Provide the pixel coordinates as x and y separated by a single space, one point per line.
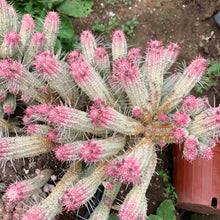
154 217
66 27
51 3
40 20
166 210
69 44
57 45
113 216
76 8
29 8
158 5
98 27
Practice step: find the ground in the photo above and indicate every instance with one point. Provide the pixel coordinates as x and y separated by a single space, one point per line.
189 23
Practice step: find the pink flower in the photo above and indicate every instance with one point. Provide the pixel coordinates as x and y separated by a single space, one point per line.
180 134
134 55
74 197
108 185
11 70
181 118
162 117
38 39
111 169
206 153
46 64
190 103
197 67
130 170
16 192
12 38
125 71
136 112
74 56
8 109
99 114
91 151
191 142
161 144
190 154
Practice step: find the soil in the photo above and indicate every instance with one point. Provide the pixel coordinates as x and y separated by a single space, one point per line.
190 23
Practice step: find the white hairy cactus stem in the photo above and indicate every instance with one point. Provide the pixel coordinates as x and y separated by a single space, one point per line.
135 203
5 19
206 123
91 151
26 31
191 75
89 80
129 167
13 18
51 29
103 209
106 117
36 45
55 72
119 45
85 189
88 45
9 104
74 119
23 147
5 126
48 208
10 45
24 189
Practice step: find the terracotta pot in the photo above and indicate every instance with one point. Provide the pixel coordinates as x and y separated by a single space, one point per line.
197 183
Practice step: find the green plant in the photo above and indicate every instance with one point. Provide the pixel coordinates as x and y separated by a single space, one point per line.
101 28
129 27
169 188
209 78
38 9
98 27
158 5
126 2
166 211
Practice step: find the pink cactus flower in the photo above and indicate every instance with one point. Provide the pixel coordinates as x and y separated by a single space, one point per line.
136 112
190 103
190 154
91 151
162 117
191 143
181 118
130 170
74 197
206 153
180 134
16 192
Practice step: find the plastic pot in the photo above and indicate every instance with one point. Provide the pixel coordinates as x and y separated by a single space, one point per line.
197 183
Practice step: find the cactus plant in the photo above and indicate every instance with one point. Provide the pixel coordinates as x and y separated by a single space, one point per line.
132 110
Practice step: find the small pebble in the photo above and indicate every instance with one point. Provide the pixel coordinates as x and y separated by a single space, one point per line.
217 19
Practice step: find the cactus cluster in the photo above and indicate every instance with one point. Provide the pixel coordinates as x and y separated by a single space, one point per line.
107 110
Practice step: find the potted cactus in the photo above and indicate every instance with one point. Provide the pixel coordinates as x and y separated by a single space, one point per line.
132 108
